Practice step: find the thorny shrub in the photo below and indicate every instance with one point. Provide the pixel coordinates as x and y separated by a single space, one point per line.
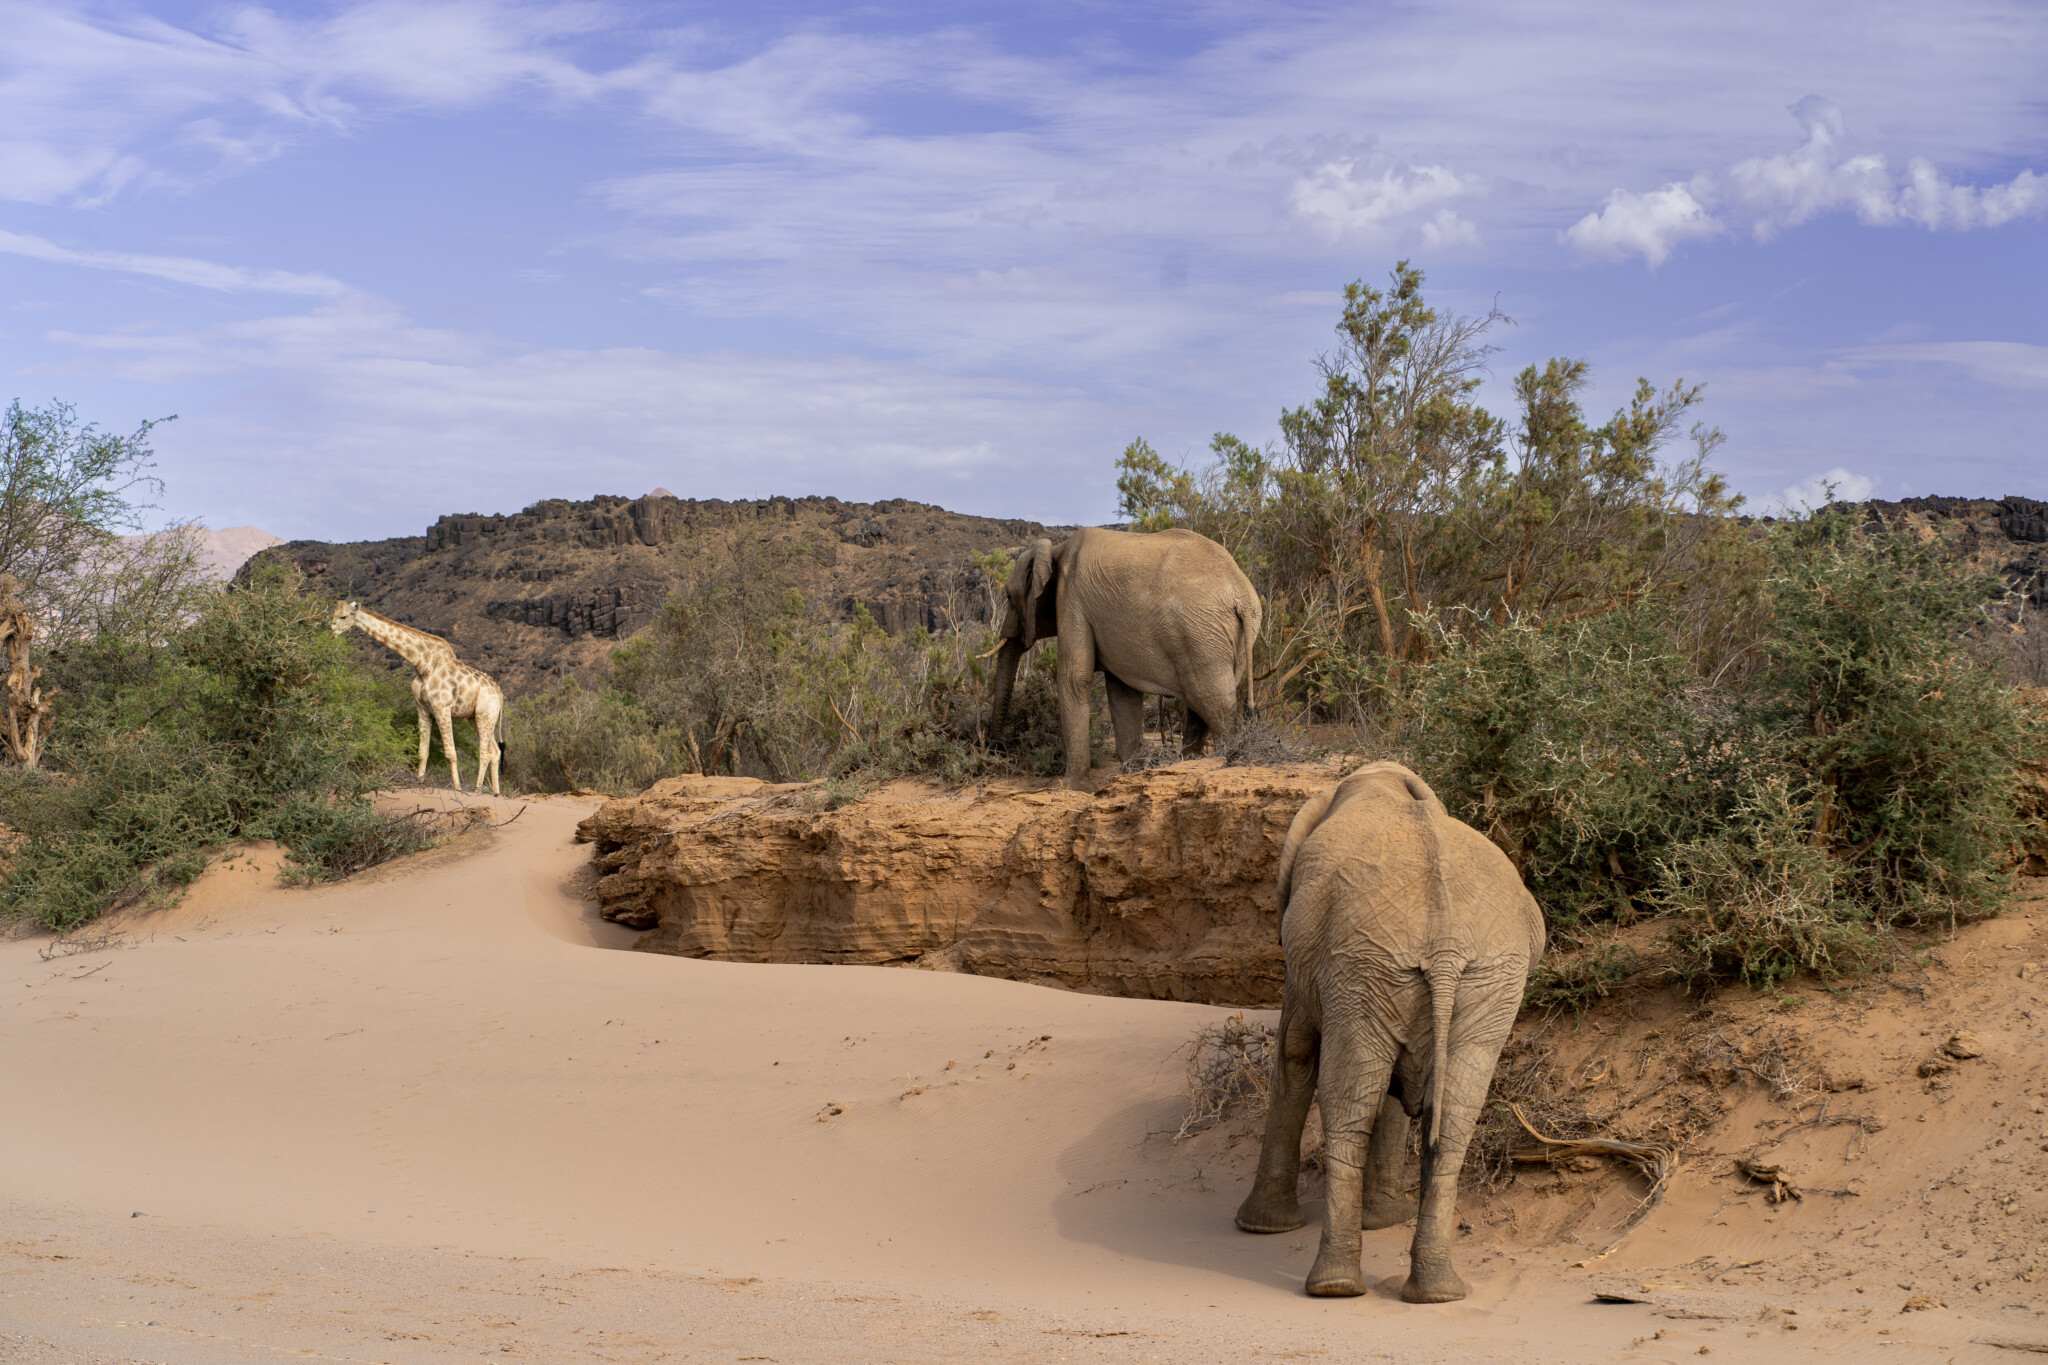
249 721
743 674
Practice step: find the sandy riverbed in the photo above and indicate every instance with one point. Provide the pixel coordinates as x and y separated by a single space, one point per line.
433 1113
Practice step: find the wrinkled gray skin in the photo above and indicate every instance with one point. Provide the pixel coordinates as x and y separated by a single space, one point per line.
1408 938
1167 613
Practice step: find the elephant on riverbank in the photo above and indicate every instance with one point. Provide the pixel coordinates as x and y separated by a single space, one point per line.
1167 613
1408 938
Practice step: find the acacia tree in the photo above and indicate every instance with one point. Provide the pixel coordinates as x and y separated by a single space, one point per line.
104 604
65 488
1394 500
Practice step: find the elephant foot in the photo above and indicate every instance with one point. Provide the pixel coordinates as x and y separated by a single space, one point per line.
1259 1213
1433 1282
1386 1211
1336 1277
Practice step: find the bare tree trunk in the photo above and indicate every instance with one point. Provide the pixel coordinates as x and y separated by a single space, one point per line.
27 707
1373 561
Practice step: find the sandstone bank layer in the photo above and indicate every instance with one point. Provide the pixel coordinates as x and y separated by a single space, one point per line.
1159 886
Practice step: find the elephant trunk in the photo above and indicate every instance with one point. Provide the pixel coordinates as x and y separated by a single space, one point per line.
1006 680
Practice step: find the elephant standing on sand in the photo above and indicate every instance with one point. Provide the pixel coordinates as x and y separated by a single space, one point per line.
1167 613
1408 938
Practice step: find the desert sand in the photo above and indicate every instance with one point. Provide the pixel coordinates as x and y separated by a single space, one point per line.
435 1113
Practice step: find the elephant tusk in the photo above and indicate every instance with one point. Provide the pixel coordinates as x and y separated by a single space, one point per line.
994 649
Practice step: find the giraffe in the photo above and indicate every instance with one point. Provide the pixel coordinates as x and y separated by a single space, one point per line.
443 687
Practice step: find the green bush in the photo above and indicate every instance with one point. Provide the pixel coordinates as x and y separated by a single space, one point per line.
1757 898
573 736
742 674
1903 738
253 721
1581 748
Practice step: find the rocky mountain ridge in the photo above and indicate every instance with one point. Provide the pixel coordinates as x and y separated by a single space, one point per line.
549 590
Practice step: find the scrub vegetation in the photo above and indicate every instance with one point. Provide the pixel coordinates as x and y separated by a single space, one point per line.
184 716
1783 741
1786 740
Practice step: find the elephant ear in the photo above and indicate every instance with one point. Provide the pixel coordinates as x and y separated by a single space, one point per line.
1037 569
1305 822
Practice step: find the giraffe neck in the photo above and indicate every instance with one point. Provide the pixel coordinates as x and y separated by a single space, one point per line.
416 647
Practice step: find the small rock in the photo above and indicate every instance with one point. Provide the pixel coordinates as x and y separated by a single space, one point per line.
1963 1046
2029 970
1920 1303
1935 1067
1838 1084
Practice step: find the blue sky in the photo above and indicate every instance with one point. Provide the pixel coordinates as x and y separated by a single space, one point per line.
390 260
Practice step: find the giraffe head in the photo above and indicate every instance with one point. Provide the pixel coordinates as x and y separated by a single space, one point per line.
344 617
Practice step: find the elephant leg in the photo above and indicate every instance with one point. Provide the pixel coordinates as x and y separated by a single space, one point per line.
1126 714
1480 1025
1356 1064
1274 1205
1076 676
1194 732
1386 1203
1212 709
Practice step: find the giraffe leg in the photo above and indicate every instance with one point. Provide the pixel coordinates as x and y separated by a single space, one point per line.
426 729
445 719
487 750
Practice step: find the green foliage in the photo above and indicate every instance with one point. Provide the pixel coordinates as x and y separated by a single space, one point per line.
1858 778
67 491
578 737
1783 740
1578 981
1901 736
1396 506
741 674
1576 747
1756 898
251 722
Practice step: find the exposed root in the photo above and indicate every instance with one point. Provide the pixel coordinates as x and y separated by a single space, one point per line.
1655 1161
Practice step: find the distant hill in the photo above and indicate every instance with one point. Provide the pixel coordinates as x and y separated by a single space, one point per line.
225 551
222 553
550 590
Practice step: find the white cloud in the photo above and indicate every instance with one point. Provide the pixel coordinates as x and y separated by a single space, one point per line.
1838 485
1767 195
1649 224
177 269
1370 197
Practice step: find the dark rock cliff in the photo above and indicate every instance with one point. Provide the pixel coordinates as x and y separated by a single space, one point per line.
551 589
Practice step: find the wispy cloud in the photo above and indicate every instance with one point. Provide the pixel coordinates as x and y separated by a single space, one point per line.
1767 195
1029 249
116 100
318 421
2000 364
177 269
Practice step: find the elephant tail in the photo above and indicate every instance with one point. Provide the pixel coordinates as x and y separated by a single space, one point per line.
1247 635
1443 974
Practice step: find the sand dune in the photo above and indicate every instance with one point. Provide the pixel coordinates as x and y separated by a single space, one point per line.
431 1113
